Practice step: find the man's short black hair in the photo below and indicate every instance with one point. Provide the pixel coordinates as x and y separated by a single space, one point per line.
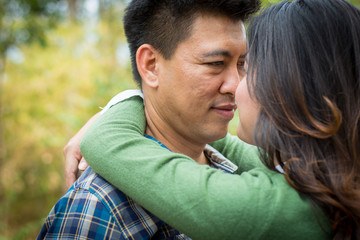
165 23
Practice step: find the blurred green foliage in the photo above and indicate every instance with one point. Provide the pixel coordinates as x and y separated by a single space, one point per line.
47 98
25 21
47 93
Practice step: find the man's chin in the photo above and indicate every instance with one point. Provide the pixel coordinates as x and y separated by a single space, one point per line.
217 135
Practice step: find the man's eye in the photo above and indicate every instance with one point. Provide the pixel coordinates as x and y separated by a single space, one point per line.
218 63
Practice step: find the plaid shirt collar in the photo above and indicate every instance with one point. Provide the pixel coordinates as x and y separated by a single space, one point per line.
217 160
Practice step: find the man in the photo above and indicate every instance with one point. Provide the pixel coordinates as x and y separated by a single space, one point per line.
188 57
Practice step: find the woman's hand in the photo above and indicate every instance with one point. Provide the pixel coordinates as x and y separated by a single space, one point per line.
74 161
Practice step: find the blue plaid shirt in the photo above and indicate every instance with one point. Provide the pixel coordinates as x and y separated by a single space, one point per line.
94 209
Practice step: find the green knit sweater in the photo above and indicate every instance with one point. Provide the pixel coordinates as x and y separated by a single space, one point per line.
200 201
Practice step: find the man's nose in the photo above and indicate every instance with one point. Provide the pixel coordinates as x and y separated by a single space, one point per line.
231 81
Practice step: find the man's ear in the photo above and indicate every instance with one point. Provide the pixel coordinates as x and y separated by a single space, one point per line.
146 61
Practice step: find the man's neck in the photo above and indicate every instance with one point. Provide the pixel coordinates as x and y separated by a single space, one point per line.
174 141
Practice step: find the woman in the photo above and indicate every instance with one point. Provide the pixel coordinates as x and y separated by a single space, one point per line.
300 105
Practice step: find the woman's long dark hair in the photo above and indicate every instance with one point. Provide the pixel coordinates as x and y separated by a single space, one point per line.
304 70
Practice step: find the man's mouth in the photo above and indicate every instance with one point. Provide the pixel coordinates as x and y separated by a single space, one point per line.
225 110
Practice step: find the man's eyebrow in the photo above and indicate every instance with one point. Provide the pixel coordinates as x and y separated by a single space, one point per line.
216 53
224 53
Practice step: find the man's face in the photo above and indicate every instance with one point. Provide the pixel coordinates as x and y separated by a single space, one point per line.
197 85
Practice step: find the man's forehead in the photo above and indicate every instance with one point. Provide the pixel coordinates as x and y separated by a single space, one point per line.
214 36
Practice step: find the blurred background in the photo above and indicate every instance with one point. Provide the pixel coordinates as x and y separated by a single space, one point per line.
60 60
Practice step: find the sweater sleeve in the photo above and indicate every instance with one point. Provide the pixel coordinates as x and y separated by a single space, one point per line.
200 201
244 155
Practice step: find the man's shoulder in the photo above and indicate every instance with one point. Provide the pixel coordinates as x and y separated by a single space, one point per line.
88 179
134 221
97 186
81 213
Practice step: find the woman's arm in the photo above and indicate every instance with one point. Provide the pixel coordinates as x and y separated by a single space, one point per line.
75 163
198 200
244 155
